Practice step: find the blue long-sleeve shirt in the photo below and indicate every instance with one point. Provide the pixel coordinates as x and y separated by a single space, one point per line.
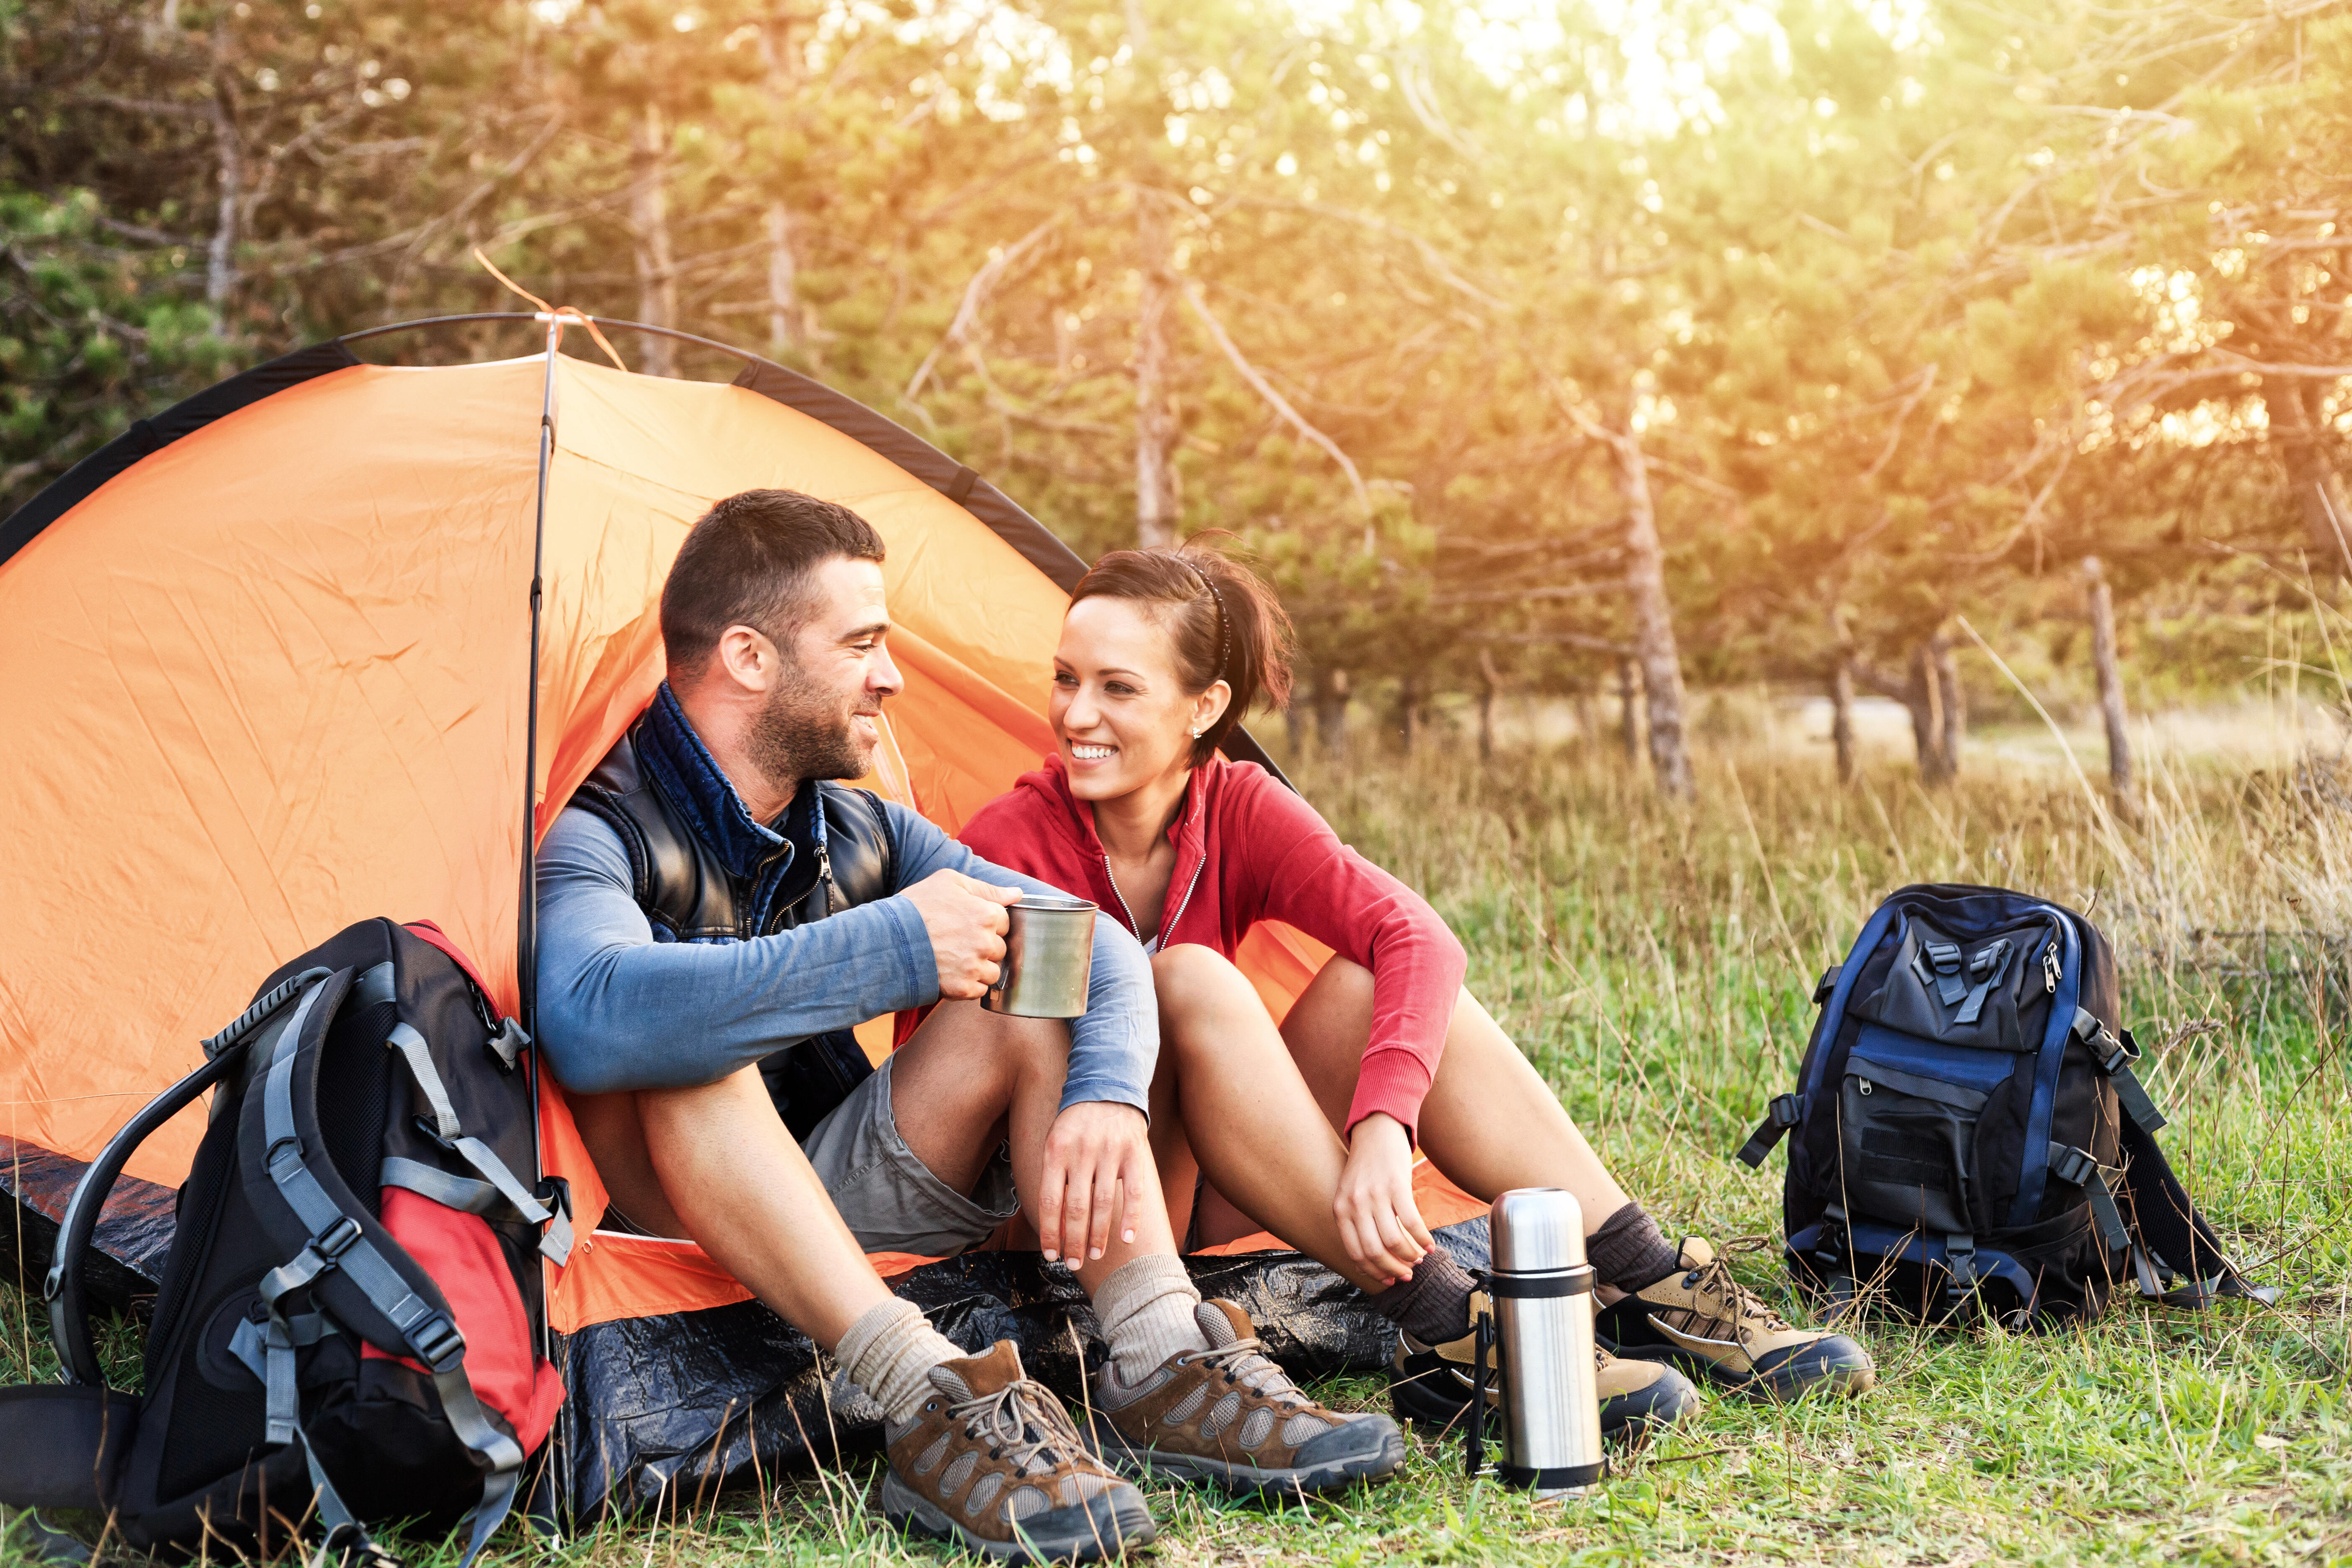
620 1010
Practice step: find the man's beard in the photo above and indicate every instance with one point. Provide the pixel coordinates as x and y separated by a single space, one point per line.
797 737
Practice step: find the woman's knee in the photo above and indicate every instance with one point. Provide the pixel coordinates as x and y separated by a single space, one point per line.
1198 985
1188 976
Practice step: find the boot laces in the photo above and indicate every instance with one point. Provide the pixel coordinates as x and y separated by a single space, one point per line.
1244 1362
1735 1305
1024 1423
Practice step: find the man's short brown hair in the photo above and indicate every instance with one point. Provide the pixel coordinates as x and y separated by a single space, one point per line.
747 562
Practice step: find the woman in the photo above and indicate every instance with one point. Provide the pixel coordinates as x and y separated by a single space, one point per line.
1307 1130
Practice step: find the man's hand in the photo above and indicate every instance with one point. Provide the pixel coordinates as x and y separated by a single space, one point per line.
966 922
1096 1148
1378 1221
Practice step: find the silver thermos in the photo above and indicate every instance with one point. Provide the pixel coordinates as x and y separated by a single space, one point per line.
1540 1340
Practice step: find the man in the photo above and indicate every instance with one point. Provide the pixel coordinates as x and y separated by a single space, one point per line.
714 916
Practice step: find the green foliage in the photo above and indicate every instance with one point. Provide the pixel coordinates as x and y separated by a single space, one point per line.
1908 312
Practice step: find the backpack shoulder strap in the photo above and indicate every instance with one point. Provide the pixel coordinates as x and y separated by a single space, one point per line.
2170 1229
350 1265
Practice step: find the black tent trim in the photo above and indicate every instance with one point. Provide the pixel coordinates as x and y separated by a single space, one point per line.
1037 544
147 437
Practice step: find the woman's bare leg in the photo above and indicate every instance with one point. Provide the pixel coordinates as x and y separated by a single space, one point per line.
1490 1121
1241 1111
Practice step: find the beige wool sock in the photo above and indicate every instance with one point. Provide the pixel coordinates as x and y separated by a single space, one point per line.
1146 1309
890 1350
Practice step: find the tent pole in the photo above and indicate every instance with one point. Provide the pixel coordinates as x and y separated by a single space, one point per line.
526 925
526 912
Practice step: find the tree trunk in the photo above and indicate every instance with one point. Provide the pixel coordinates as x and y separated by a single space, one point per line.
1331 709
1155 407
1923 695
1952 706
1841 717
649 225
1407 711
1489 683
1629 715
1654 627
783 275
2111 693
1587 717
228 149
2303 453
783 66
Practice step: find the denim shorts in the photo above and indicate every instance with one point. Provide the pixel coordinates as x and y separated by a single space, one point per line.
889 1199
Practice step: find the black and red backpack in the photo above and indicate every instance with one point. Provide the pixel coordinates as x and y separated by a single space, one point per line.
349 1324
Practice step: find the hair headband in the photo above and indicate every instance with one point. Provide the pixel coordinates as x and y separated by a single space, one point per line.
1224 632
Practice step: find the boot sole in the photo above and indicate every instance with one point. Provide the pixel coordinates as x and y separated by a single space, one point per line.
1799 1377
1628 1417
1243 1480
1109 1526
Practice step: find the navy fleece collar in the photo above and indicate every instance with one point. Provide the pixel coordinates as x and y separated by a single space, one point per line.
689 776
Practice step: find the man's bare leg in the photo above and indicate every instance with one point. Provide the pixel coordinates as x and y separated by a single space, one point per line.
715 1162
971 1080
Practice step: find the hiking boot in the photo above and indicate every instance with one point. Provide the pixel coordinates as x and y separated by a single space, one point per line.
990 1463
1702 1318
1229 1415
1432 1384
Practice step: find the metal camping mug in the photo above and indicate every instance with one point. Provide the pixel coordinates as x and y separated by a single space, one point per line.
1542 1290
1049 957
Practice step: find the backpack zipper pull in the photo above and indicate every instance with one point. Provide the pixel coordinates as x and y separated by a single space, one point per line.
2050 969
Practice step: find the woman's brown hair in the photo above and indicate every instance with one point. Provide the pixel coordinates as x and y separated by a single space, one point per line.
1223 622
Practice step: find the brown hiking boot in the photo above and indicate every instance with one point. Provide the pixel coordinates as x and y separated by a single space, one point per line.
1228 1414
1432 1384
1701 1318
990 1463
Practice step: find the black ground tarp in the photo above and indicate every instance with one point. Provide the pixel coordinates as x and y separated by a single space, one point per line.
134 1229
684 1405
690 1403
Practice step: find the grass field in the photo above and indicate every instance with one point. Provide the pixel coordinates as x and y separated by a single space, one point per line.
1656 964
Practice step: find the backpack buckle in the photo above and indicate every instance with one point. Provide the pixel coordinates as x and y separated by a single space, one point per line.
508 1042
1783 1113
337 1239
1960 1273
438 1341
2072 1165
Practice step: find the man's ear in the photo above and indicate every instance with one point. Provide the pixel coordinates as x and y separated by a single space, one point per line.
745 657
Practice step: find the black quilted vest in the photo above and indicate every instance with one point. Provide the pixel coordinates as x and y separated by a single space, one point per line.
690 895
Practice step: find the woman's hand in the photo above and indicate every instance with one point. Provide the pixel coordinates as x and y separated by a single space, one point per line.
1378 1221
1094 1148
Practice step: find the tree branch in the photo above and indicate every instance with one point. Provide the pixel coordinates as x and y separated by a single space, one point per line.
1274 399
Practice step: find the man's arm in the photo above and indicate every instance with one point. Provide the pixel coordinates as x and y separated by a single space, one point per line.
1114 1048
619 1011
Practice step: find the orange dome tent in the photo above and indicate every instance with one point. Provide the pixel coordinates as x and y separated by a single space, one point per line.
266 667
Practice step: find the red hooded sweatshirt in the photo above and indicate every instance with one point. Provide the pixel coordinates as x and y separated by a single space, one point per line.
1248 848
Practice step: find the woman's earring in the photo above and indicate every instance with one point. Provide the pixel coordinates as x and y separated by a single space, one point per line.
1196 734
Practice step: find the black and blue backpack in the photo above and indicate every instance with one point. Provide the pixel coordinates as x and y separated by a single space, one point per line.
1968 1139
